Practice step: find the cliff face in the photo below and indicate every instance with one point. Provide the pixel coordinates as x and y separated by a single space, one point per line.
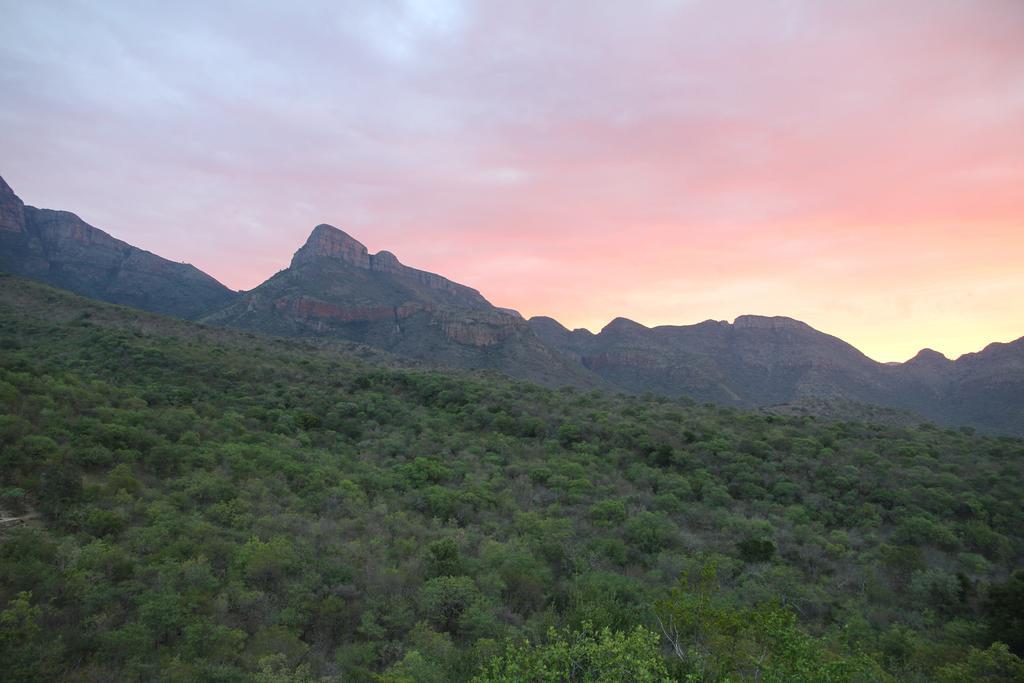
61 249
12 210
328 242
480 328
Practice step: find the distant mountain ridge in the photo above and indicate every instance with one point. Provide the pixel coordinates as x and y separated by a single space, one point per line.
335 288
754 361
768 361
59 248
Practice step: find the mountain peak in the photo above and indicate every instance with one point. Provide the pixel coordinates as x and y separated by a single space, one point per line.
327 241
621 324
548 322
929 356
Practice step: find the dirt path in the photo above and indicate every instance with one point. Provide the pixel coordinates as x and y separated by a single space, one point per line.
7 520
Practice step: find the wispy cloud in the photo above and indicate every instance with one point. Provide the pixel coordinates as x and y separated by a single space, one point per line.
857 165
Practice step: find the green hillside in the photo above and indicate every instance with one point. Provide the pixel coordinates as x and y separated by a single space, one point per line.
193 503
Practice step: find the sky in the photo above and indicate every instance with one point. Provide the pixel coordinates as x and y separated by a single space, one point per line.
858 165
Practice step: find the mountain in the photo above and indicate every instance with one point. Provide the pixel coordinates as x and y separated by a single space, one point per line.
61 249
984 389
334 288
772 361
754 361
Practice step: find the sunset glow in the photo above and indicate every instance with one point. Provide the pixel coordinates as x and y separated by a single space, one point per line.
856 165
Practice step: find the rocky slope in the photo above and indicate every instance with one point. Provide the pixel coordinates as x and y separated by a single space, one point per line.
61 249
983 389
335 288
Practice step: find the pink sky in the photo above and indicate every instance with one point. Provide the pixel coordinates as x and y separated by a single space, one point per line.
856 165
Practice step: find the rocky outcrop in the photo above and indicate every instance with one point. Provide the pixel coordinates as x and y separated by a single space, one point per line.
479 328
386 262
12 210
774 323
304 308
329 242
512 312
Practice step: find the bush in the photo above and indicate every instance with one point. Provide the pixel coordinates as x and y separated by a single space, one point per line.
587 655
444 599
756 550
650 532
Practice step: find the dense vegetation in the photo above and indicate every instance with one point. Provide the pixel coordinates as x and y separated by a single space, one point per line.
218 506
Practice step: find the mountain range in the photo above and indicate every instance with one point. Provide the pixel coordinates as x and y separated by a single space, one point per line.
334 288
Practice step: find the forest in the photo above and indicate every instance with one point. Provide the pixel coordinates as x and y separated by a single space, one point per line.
192 503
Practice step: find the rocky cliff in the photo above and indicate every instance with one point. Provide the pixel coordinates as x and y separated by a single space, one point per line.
329 242
12 210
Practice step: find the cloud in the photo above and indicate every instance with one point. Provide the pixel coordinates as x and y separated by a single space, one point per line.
566 158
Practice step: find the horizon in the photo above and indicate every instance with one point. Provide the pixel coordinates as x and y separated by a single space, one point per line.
853 167
600 328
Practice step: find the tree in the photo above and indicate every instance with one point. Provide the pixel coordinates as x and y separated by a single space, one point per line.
650 531
994 665
1004 612
443 558
588 655
27 653
714 641
60 487
444 599
756 550
275 669
569 434
611 512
